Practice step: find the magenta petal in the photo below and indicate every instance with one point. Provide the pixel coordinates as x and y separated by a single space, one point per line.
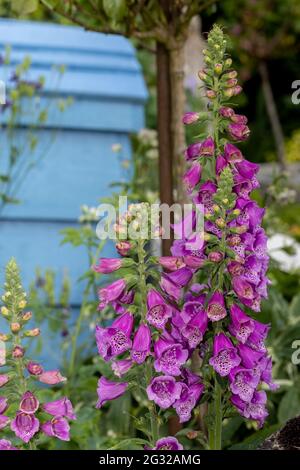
62 407
108 390
25 426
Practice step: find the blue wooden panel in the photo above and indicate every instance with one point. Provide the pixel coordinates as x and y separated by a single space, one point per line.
77 169
36 244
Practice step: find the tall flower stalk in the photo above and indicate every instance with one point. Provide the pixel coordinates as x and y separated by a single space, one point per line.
17 382
189 317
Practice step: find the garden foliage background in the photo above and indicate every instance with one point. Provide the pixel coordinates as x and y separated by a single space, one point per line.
265 45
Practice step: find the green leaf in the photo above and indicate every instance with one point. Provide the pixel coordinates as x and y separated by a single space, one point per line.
255 440
130 444
115 9
289 406
24 7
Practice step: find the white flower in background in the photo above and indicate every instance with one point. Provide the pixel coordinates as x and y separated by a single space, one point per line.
116 148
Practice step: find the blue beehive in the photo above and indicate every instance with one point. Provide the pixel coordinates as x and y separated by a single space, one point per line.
105 80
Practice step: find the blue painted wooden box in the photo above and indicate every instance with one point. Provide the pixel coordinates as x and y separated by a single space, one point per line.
105 80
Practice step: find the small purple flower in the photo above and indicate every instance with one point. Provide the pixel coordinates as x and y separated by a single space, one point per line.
29 403
6 445
190 118
159 311
226 112
111 292
258 336
25 426
232 153
239 119
34 368
108 390
164 391
51 377
194 331
121 367
62 407
168 443
207 147
187 401
192 177
266 373
256 409
171 263
242 288
169 356
57 427
107 265
238 131
225 356
181 277
115 339
216 309
243 382
193 151
141 344
242 325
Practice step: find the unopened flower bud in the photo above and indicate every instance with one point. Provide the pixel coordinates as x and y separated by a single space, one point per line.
232 74
207 237
228 62
202 75
225 200
218 68
215 256
34 368
207 59
5 311
27 316
32 333
22 304
240 229
237 90
4 337
229 92
18 352
220 222
236 212
216 208
231 82
190 118
192 434
15 327
210 94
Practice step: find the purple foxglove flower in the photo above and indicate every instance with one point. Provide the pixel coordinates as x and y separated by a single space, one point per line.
225 356
251 213
123 248
121 367
207 147
226 112
242 325
3 379
205 193
115 339
62 407
170 288
192 177
242 288
169 356
238 131
193 151
108 390
258 336
6 445
172 263
255 409
192 308
164 391
4 420
3 405
184 228
233 154
243 382
187 401
194 331
193 262
159 311
215 256
29 403
190 118
51 377
141 344
34 368
239 119
181 277
107 265
57 427
221 163
216 309
25 426
250 357
247 169
168 443
111 292
266 375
